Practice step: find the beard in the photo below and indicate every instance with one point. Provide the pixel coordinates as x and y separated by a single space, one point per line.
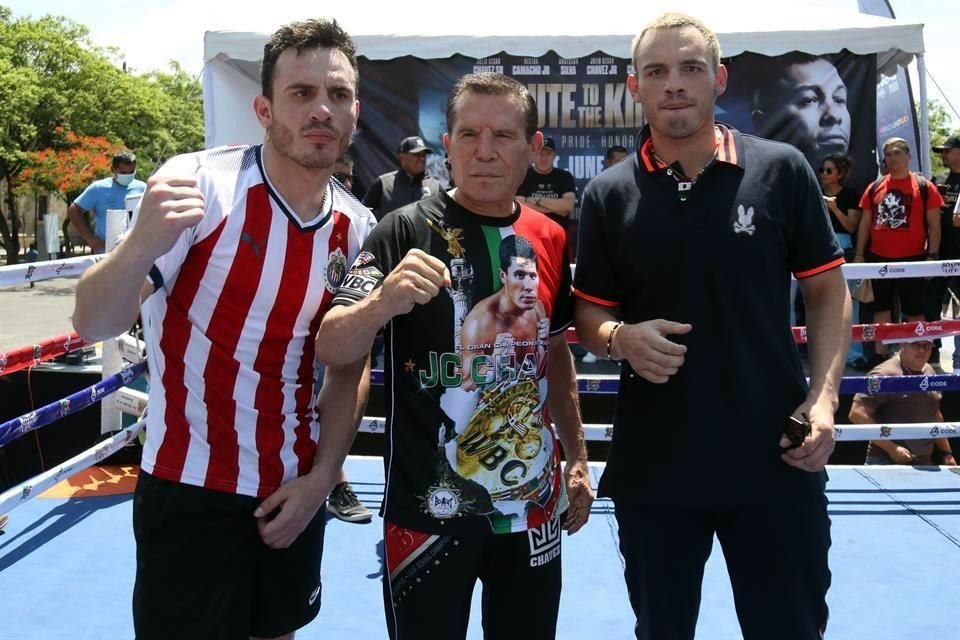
310 156
691 121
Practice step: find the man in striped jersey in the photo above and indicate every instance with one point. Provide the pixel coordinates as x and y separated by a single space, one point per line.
233 259
476 299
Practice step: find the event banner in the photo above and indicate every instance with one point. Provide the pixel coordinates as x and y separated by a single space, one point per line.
819 104
895 114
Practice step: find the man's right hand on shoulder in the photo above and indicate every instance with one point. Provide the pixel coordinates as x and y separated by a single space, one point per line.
416 280
170 205
646 347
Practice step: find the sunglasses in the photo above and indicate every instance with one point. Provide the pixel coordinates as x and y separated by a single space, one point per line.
826 170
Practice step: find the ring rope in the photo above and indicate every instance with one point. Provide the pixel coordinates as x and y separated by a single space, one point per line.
34 354
894 332
13 429
844 432
895 270
21 493
17 274
610 383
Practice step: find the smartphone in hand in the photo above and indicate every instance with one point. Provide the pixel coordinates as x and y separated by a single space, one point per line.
796 430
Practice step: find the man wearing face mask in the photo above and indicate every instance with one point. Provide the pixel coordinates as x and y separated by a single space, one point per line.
109 193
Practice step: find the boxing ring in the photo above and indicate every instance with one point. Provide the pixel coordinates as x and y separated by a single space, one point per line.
67 551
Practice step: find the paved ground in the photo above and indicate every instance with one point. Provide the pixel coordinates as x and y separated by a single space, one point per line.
28 315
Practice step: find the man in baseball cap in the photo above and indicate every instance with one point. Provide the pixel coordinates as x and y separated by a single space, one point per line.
953 142
948 183
415 145
885 408
407 184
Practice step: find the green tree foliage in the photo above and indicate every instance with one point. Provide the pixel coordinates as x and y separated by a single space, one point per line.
940 123
54 80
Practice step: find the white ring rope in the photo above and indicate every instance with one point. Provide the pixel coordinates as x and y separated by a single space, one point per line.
21 493
12 275
894 270
844 432
16 274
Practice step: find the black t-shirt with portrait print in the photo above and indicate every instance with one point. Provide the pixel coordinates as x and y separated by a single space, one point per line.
470 449
548 186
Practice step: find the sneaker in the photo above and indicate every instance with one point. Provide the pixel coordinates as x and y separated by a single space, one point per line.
589 358
344 504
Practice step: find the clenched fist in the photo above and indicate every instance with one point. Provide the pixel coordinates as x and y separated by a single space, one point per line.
170 205
416 280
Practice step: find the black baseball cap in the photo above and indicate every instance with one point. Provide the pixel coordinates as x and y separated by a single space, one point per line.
549 143
414 144
953 142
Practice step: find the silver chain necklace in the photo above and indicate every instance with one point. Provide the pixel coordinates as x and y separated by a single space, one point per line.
684 184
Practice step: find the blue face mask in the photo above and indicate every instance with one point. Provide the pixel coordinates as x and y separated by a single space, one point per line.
123 179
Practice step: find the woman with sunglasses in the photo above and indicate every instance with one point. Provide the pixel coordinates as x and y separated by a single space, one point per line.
841 201
843 204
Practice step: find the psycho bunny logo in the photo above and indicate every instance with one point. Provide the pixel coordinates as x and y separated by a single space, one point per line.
744 223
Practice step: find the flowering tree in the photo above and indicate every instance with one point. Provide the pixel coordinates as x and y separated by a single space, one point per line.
68 167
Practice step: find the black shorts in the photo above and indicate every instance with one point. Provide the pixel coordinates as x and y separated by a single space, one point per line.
204 572
776 556
910 290
428 583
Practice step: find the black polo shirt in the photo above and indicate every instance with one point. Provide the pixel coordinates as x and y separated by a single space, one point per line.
721 260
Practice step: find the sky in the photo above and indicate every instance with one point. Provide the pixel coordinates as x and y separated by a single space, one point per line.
149 33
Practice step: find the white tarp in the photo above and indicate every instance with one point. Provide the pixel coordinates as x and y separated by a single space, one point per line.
231 67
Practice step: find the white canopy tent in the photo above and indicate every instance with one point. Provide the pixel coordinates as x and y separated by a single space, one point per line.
231 59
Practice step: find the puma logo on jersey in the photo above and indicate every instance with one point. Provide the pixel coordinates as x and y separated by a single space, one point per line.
246 237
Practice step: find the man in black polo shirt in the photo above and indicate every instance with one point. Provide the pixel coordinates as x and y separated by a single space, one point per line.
683 273
407 184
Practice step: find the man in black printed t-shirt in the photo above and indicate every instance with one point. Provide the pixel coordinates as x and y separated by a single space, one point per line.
548 189
473 291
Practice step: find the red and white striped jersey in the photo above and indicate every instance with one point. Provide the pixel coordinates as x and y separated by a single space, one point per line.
230 327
